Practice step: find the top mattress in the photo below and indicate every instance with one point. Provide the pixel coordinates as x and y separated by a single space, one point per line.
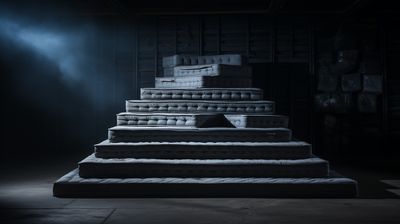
226 59
213 70
201 94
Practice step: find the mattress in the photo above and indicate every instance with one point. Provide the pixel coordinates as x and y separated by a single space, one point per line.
334 186
204 150
226 59
168 72
200 106
258 121
201 94
159 119
202 82
175 134
213 70
93 167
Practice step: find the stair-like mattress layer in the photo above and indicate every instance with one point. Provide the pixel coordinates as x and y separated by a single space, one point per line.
203 150
175 134
93 167
226 59
213 70
201 120
202 82
258 121
334 186
202 132
188 120
200 106
201 94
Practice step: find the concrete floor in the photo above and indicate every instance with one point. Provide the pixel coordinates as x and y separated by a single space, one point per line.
26 197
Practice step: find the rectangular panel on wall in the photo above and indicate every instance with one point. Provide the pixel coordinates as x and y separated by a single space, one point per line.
167 39
291 41
234 34
124 59
284 42
211 35
187 33
301 42
261 35
146 60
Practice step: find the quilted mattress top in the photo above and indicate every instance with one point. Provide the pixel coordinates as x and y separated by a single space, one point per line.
315 160
227 144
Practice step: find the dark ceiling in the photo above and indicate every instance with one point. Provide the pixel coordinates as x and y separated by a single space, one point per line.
308 7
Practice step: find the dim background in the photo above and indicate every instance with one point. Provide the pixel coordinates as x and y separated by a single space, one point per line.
67 67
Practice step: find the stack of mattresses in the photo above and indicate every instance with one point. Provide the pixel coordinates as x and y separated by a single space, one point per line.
203 131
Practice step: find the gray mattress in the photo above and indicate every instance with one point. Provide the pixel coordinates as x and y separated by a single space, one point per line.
159 119
200 106
201 94
175 134
213 70
202 82
226 59
258 121
93 167
334 186
204 150
201 120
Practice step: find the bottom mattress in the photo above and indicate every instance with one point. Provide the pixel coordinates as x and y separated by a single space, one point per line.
335 186
144 168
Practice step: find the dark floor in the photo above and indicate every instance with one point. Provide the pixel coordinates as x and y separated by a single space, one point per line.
26 197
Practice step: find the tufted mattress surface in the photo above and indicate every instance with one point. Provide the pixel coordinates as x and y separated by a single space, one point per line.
202 82
160 119
226 59
258 121
204 150
201 120
200 106
201 94
142 168
213 70
174 134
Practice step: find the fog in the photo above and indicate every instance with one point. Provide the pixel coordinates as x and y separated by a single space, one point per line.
59 78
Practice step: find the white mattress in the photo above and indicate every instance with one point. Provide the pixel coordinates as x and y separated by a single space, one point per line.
159 119
175 134
204 150
334 186
258 121
201 94
93 167
227 59
213 70
202 82
201 120
200 106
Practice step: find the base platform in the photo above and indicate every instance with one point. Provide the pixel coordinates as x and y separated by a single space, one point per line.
335 186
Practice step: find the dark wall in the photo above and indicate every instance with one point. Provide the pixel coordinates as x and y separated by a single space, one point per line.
65 76
63 79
